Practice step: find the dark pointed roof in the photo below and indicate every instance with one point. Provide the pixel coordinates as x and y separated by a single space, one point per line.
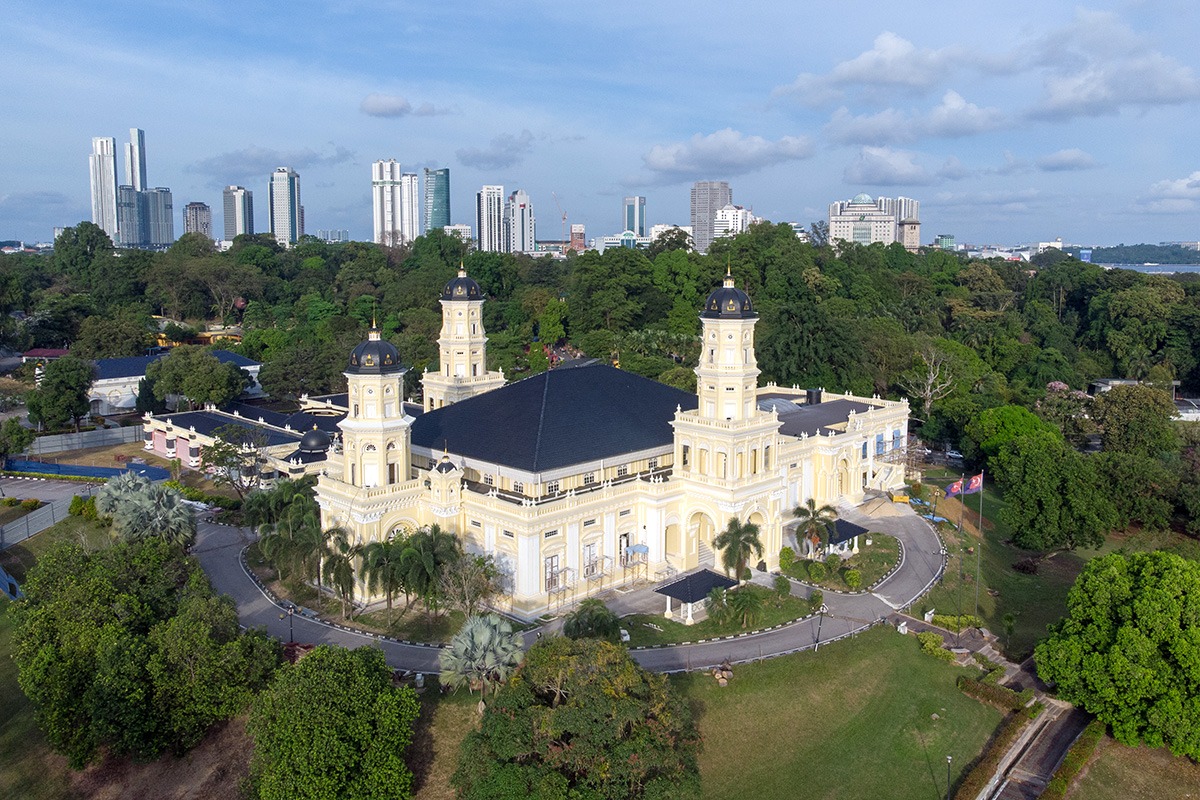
728 302
375 356
694 587
557 418
462 288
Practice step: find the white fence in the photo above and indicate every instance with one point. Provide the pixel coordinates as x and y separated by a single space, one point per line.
103 437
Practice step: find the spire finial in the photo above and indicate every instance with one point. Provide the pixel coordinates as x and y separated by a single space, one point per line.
462 270
728 273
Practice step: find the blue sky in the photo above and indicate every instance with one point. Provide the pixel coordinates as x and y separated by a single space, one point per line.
1011 122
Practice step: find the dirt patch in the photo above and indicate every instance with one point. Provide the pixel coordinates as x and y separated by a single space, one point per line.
217 767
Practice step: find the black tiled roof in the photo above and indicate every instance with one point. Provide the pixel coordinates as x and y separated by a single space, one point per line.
813 419
556 419
696 586
135 366
844 530
206 422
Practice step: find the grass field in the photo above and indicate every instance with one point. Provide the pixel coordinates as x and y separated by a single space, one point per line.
873 561
1118 772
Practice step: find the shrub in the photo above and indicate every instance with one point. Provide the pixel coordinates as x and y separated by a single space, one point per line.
89 509
816 571
853 579
931 644
783 587
979 776
12 502
31 504
957 622
816 599
222 502
787 558
833 561
76 508
1074 761
993 694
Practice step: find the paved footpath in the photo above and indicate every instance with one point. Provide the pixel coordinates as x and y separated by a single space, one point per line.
218 548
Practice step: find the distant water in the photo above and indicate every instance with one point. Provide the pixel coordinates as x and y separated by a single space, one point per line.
1156 269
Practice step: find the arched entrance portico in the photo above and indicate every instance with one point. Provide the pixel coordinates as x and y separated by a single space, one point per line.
700 532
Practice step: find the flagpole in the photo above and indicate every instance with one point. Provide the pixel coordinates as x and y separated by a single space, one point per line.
962 484
978 552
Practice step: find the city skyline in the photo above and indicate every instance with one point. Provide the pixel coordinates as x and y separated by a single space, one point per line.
1064 122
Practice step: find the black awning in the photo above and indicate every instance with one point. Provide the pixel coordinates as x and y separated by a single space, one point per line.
844 531
695 587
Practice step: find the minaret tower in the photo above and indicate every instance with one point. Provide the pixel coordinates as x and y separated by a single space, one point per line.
462 345
728 372
375 433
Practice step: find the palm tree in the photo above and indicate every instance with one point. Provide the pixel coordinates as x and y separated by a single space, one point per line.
338 569
816 523
283 541
745 604
141 509
591 619
428 551
737 543
383 569
485 652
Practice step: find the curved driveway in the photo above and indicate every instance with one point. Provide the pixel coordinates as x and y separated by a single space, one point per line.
218 548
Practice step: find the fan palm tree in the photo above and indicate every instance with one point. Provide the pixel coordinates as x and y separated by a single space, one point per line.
141 509
591 619
429 550
816 522
484 653
737 543
383 569
338 569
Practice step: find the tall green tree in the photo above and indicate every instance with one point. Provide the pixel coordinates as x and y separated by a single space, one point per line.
383 568
816 523
333 727
428 552
738 543
1127 650
195 374
1136 419
62 394
14 437
581 719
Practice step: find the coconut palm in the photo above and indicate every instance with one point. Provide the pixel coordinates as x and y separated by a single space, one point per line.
338 569
383 569
484 653
284 542
816 523
591 619
745 604
428 551
737 543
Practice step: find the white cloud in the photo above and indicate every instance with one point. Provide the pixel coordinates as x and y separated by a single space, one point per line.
890 126
726 152
1009 200
503 151
1066 160
1177 189
884 166
377 104
892 62
954 117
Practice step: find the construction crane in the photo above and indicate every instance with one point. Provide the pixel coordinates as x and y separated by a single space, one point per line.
564 222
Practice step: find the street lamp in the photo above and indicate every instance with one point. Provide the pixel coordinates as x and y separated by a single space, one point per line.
290 611
948 760
820 622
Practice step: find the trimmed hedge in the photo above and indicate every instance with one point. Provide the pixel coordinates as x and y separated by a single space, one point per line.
974 781
956 622
8 473
931 644
993 694
1074 761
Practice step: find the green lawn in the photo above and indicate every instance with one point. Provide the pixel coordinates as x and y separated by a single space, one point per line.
19 558
775 610
872 561
1118 772
851 721
27 767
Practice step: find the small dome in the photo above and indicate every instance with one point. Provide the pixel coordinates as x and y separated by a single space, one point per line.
863 198
445 465
728 302
315 441
374 356
462 288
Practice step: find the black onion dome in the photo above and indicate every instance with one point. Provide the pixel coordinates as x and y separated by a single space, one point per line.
728 302
374 356
462 288
315 441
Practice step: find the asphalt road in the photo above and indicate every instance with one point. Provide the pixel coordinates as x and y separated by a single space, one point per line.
218 548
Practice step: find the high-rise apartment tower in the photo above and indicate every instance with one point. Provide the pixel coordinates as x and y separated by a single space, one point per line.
635 215
489 219
239 211
135 160
103 163
437 198
197 218
708 197
519 223
287 214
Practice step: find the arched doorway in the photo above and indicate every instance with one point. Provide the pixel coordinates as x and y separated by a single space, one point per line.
701 530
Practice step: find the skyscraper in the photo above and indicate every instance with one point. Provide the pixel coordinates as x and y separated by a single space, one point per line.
103 163
635 215
437 198
386 201
519 223
132 217
707 198
287 215
489 219
197 218
160 217
410 212
239 211
135 160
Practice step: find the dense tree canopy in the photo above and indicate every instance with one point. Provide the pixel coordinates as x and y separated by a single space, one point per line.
128 648
333 727
1129 647
62 395
581 719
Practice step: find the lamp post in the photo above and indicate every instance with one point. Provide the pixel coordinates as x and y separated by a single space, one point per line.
290 611
948 760
820 623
